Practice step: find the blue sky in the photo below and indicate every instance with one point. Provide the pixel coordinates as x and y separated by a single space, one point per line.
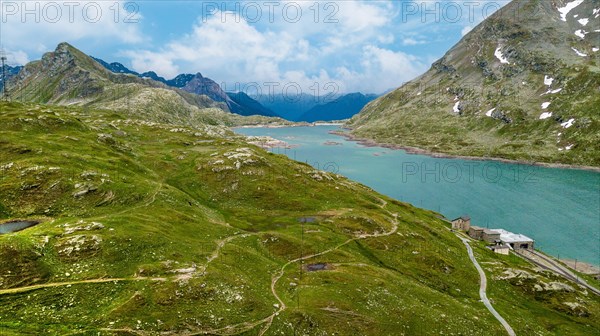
317 46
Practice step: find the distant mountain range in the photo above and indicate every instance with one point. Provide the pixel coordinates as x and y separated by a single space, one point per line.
305 107
521 85
243 104
198 84
344 107
10 71
67 76
290 107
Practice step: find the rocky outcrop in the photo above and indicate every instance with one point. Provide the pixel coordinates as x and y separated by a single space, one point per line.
205 86
493 91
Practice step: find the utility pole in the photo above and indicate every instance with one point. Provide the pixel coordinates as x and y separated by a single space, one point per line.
4 79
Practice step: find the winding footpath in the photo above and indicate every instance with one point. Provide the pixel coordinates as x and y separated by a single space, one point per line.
281 272
229 329
483 287
78 282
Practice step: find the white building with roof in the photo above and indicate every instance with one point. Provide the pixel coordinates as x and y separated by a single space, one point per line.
515 240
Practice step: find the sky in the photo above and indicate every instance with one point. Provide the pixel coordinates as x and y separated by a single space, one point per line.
314 47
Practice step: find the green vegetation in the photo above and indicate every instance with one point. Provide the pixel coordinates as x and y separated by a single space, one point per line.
151 227
471 104
68 77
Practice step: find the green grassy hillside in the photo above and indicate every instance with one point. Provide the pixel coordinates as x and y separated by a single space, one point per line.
151 228
515 87
69 77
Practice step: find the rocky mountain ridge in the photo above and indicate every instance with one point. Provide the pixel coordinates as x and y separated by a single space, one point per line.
200 85
524 84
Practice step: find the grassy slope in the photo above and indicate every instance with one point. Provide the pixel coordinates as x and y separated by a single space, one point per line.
420 113
194 242
69 77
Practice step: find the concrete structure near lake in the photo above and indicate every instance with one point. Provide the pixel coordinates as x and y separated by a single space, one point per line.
475 232
500 248
515 240
502 239
480 233
462 223
490 236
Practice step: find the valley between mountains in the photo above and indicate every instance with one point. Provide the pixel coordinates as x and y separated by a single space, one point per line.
132 207
151 228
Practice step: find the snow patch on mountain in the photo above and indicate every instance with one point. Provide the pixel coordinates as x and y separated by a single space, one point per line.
579 53
500 56
456 108
580 33
567 8
568 123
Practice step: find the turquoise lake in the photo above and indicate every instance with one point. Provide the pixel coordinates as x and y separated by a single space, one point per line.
558 208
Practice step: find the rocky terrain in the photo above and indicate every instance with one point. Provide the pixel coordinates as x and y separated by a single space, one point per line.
69 77
521 85
10 72
238 103
150 228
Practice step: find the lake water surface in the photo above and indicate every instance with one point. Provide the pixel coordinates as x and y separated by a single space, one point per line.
558 208
16 226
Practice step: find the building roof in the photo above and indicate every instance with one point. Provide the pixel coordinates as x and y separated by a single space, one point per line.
488 231
465 218
509 237
477 228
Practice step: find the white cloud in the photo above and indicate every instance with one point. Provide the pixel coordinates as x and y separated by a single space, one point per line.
381 69
16 57
235 51
386 38
409 41
355 16
26 23
466 30
144 61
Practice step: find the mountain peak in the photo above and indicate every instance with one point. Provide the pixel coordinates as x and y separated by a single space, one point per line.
206 86
64 47
65 55
490 93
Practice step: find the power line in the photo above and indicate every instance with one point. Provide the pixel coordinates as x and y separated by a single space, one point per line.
4 79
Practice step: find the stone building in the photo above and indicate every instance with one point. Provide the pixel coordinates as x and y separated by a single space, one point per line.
476 232
490 236
500 248
462 223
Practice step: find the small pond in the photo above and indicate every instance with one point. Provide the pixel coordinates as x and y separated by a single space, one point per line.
316 267
17 225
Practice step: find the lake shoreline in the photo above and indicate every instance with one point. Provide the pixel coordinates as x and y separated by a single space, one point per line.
420 151
295 124
581 266
322 146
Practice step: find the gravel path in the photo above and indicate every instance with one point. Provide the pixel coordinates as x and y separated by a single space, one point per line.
483 287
